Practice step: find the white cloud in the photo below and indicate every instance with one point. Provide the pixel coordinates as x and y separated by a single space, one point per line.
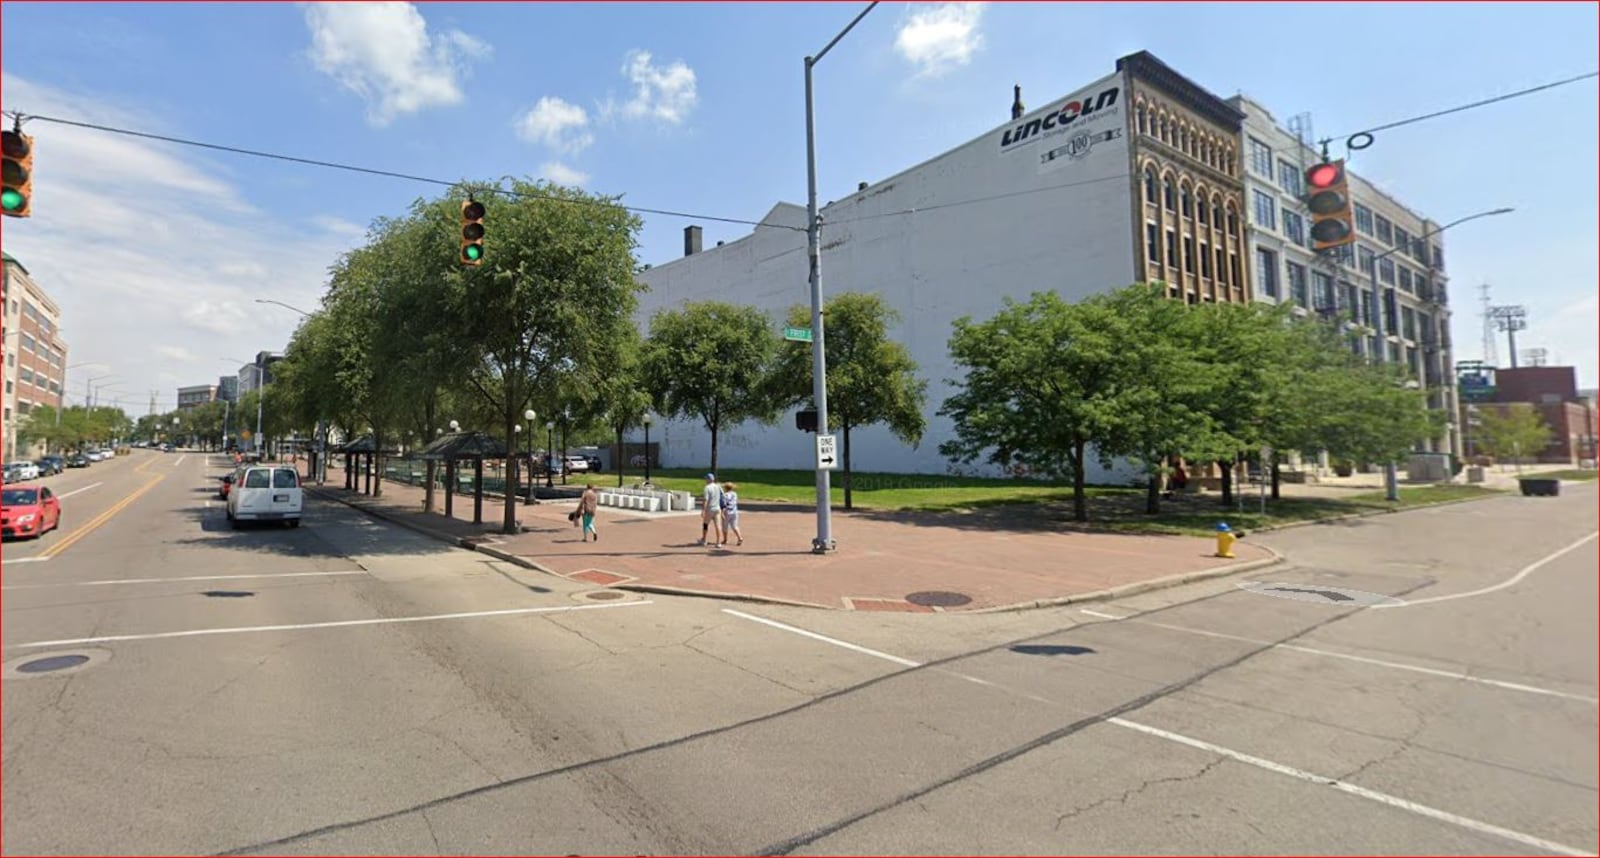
383 53
666 93
558 124
155 268
561 174
938 38
340 226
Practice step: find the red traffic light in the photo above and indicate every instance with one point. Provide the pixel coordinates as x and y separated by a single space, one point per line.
1324 176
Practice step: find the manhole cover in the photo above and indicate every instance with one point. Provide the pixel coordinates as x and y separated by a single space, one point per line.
938 599
50 663
603 595
1319 594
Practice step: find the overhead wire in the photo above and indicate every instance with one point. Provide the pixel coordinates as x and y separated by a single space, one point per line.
1475 104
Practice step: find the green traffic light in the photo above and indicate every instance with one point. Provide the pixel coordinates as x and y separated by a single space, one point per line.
12 200
474 252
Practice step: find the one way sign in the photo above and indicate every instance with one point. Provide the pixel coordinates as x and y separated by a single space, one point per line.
827 460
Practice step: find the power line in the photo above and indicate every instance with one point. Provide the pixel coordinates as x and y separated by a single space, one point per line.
1438 113
19 117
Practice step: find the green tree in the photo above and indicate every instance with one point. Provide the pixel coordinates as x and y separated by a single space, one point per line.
1515 432
619 402
1367 412
710 361
871 378
1039 380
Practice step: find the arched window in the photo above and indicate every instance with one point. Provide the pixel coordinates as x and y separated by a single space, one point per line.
1205 151
1185 200
1228 164
1183 138
1142 119
1170 194
1162 136
1233 220
1216 211
1151 194
1202 213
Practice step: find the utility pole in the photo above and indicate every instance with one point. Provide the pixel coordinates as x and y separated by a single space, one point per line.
1489 357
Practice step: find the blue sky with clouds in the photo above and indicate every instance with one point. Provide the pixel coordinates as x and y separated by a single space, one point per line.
156 251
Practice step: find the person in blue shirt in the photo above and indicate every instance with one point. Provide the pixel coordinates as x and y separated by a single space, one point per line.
730 513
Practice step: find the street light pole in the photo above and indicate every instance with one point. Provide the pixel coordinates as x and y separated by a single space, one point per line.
819 362
1391 477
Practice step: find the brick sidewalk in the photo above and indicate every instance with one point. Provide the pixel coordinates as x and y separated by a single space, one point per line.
993 559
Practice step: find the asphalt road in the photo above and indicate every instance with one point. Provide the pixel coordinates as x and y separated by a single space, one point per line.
351 688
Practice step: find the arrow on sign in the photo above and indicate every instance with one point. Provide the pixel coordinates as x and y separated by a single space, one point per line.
1326 594
827 460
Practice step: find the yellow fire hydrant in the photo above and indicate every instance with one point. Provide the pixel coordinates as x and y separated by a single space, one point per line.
1225 540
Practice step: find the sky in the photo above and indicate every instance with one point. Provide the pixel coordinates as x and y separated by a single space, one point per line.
158 253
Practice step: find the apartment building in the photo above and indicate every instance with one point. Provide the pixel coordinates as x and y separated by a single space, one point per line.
1390 285
196 395
35 354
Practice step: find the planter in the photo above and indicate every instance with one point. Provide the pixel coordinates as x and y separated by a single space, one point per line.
1343 470
1534 486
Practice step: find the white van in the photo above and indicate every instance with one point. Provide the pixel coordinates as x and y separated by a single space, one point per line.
266 493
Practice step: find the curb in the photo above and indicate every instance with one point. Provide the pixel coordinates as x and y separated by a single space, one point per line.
1136 588
1378 512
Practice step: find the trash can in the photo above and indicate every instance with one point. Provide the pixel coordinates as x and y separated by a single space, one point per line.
1539 486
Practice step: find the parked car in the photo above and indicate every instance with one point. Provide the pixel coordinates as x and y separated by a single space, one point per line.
266 493
576 464
77 460
25 470
50 465
28 511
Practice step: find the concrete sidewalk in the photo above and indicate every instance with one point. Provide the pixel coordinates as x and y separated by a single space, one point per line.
998 559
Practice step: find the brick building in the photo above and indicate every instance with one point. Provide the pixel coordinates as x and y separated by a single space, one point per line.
1552 390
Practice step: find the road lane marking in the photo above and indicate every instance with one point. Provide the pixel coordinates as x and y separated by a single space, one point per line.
825 639
1268 765
75 491
1513 686
1098 614
180 460
24 560
336 624
1352 789
72 538
1510 582
112 581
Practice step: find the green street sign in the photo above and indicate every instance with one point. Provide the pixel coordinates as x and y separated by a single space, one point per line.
798 335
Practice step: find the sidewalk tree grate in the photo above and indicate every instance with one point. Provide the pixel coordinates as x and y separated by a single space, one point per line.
50 663
603 595
938 599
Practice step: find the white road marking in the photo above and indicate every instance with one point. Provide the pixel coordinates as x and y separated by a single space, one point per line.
111 581
1268 765
26 560
1513 686
1510 582
825 639
75 491
1352 789
180 460
338 624
1098 614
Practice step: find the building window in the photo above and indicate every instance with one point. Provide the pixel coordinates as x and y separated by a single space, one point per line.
1322 295
27 342
1294 227
1298 290
1172 248
1205 261
1266 210
1386 270
1188 254
1233 222
1152 240
1402 239
1216 212
1411 359
1170 194
1186 202
1408 322
55 386
1234 279
1365 256
1405 281
23 408
1151 195
1438 257
1267 273
1222 265
1290 180
1144 123
1230 164
1391 314
1385 230
1261 158
1202 211
1363 219
8 386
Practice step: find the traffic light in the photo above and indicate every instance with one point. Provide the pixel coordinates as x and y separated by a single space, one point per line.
16 198
471 232
806 421
1328 197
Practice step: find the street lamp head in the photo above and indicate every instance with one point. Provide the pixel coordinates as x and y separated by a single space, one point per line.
517 429
550 424
1506 210
648 420
530 415
455 426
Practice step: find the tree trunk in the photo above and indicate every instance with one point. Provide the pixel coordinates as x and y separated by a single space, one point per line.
1152 495
1080 503
1227 481
1275 476
848 495
508 519
428 493
622 455
714 428
377 462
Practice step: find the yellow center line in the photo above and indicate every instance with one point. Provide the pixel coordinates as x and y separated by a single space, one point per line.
72 538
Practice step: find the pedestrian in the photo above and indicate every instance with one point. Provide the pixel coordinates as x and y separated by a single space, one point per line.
730 513
588 504
711 512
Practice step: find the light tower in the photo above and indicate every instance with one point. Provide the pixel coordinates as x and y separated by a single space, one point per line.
1510 319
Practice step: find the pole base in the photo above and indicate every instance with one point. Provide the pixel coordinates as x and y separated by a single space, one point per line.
819 546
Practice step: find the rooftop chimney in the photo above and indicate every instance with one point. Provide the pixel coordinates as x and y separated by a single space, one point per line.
862 186
691 240
1016 102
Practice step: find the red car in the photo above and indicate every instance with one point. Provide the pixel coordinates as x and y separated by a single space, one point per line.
29 511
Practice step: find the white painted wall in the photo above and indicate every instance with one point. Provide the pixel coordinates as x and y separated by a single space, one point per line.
925 241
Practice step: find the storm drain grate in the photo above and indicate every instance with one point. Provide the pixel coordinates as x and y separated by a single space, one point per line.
227 594
938 599
603 595
54 662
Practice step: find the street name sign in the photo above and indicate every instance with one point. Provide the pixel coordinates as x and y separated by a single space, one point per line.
798 335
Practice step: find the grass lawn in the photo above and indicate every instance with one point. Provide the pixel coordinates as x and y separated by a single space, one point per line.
1015 503
1573 476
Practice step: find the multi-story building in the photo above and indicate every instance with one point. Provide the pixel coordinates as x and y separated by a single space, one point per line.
35 354
1397 252
259 373
228 388
1553 392
196 395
